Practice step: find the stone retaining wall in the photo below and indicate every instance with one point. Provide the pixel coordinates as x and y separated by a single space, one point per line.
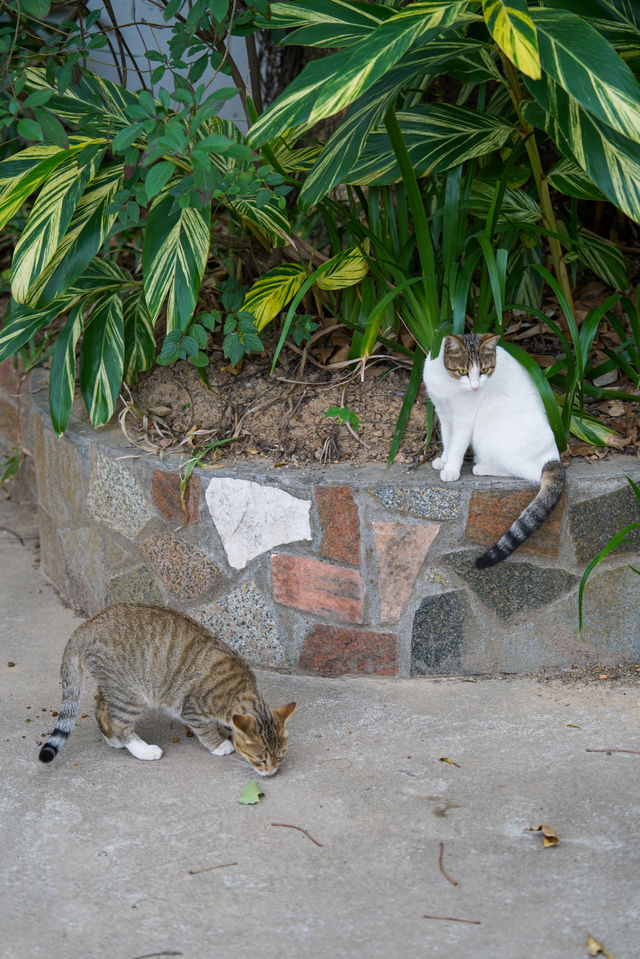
339 569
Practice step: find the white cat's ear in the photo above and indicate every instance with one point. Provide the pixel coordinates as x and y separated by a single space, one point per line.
489 340
283 712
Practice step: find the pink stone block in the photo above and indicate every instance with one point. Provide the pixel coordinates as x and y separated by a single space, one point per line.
318 587
330 651
340 521
401 549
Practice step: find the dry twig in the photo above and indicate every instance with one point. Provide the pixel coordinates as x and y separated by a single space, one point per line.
300 829
443 870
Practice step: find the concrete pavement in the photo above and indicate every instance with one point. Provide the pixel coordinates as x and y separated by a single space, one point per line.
364 832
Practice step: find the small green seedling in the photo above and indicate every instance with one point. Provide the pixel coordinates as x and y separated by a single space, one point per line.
344 415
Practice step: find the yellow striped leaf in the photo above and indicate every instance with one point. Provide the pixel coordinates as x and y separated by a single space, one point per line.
174 256
271 293
345 269
512 28
23 173
86 233
50 217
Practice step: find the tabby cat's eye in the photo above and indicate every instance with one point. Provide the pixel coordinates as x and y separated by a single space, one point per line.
463 372
484 369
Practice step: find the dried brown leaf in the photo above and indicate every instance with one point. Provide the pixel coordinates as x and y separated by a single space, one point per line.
595 949
549 835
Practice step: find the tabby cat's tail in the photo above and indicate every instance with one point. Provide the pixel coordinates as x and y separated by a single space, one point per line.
71 673
531 518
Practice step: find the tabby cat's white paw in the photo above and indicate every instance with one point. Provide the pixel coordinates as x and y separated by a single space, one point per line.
437 463
225 747
144 750
448 475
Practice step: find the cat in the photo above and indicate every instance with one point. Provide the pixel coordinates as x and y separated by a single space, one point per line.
485 399
148 656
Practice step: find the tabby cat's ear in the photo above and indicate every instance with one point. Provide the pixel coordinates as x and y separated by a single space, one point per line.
245 724
283 712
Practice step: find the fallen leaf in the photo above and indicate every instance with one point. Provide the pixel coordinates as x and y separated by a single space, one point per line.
549 835
445 759
251 793
573 726
594 948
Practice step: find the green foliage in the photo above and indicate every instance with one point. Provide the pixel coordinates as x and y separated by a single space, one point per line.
619 539
452 210
108 161
344 415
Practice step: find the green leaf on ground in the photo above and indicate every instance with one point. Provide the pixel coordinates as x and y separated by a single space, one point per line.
251 793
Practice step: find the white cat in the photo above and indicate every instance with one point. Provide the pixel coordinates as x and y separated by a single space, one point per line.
485 399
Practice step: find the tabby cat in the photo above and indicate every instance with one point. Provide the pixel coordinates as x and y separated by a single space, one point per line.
146 656
485 399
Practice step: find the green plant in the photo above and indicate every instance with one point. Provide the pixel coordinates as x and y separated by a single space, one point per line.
619 539
344 415
476 206
104 156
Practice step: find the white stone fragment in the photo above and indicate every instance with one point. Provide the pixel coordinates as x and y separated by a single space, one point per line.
252 519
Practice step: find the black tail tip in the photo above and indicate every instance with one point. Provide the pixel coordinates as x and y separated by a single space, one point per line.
47 753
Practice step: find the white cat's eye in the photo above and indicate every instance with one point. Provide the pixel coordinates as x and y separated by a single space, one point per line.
484 369
463 372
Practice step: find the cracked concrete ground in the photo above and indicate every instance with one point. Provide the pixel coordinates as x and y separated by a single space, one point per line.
366 844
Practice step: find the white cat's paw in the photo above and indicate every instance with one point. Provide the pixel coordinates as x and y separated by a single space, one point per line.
437 463
480 470
225 747
144 750
449 475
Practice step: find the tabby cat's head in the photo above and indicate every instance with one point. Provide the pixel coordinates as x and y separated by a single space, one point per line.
262 739
470 358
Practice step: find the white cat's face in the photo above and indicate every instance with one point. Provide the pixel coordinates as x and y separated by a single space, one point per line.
470 360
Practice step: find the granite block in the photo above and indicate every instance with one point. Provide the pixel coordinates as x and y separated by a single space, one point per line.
186 570
114 498
491 513
318 587
165 495
432 502
134 586
594 521
512 587
83 553
340 523
243 619
62 476
401 550
330 651
440 627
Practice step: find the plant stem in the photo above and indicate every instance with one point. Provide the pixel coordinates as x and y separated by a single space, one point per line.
420 223
542 184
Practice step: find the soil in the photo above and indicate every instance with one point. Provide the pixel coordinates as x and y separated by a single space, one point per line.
279 416
283 416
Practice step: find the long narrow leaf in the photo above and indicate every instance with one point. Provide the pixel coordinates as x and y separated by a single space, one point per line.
50 217
89 227
62 382
546 393
174 256
415 381
511 27
102 359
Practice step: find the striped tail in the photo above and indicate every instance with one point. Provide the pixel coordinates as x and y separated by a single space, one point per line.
531 518
71 672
